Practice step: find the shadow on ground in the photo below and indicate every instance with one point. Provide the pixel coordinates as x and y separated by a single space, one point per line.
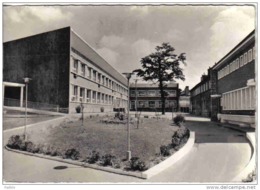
212 132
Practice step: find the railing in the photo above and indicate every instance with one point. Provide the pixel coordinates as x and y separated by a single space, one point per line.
33 105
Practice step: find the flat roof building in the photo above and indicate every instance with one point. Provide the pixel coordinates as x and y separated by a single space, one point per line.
65 71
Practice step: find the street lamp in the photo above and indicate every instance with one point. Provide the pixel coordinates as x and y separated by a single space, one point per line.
128 155
136 97
26 81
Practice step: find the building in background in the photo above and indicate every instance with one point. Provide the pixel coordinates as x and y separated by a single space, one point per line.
200 96
65 71
147 97
228 92
184 100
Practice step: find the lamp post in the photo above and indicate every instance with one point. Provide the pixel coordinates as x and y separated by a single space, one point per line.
136 97
128 155
26 81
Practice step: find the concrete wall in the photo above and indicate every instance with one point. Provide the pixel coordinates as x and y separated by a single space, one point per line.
45 59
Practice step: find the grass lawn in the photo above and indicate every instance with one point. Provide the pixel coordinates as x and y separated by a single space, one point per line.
108 138
13 122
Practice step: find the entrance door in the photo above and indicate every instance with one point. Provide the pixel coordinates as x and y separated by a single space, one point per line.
12 96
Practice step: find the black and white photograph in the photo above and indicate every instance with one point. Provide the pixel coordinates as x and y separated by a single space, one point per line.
139 93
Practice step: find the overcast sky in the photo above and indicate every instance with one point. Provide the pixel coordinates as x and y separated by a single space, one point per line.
125 34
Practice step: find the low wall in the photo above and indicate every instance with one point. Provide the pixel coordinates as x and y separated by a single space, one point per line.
252 163
172 159
241 120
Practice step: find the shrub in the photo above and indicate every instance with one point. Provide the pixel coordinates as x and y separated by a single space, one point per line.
176 141
78 109
182 132
120 116
178 120
15 142
93 158
71 154
137 165
165 150
102 109
107 160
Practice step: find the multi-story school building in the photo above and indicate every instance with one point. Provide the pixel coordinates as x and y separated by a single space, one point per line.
64 71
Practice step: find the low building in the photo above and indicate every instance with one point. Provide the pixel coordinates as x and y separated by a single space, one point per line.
184 100
65 71
147 97
200 96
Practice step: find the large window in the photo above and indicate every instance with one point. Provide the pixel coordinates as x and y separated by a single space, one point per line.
172 93
241 99
141 93
94 97
82 94
151 104
83 69
75 65
151 93
250 56
88 95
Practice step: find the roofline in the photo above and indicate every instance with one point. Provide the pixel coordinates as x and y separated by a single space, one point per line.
99 55
37 34
244 41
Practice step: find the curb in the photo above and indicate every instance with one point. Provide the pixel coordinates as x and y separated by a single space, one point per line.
172 159
82 164
143 175
252 162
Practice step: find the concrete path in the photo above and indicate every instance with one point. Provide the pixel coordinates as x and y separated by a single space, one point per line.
218 156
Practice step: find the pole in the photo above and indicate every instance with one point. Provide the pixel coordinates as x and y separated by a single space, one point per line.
26 96
136 97
128 128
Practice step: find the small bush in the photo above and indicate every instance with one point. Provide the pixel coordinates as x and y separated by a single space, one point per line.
121 116
176 141
182 132
15 142
72 154
165 150
137 165
107 160
93 158
178 120
78 109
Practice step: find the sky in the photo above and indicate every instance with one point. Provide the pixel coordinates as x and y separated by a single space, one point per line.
122 35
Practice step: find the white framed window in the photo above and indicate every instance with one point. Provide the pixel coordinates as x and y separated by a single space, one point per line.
82 94
151 104
89 73
74 93
237 63
75 65
245 58
241 60
88 95
141 93
250 56
94 96
83 69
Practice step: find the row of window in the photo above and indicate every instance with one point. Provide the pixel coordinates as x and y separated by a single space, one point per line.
241 99
153 104
92 74
237 63
90 96
152 93
202 88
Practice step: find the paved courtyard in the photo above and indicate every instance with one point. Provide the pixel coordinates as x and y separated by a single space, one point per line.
219 155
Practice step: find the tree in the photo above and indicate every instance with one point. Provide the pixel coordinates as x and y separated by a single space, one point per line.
162 66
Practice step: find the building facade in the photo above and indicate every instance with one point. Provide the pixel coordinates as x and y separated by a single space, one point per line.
231 93
200 97
147 97
184 101
65 72
236 85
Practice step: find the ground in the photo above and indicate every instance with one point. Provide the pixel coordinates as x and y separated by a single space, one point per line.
218 155
107 138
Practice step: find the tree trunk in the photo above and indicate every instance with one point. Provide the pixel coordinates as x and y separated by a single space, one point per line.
162 97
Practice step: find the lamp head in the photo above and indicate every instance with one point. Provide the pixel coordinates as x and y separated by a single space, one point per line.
26 79
127 75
